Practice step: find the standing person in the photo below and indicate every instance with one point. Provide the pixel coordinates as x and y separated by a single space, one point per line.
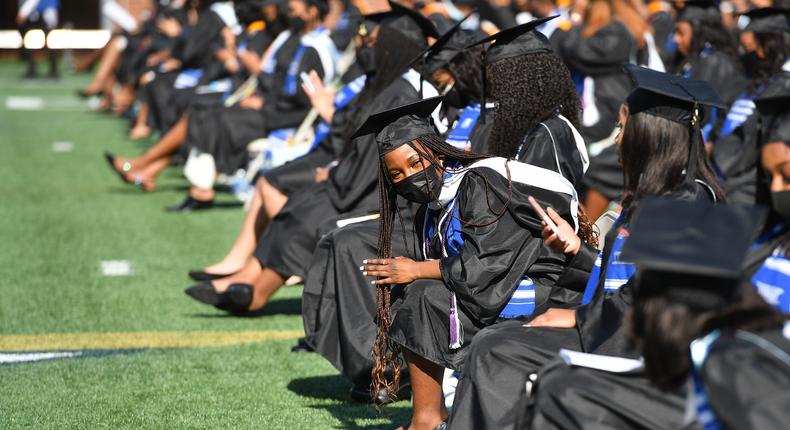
38 15
479 246
657 144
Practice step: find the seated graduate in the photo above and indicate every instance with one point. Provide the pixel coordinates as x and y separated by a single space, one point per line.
735 375
479 242
219 134
337 306
287 243
767 59
662 154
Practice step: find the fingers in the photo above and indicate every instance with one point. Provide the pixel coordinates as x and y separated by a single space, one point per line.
555 216
385 281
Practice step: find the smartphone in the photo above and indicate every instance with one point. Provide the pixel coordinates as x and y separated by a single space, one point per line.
306 81
544 216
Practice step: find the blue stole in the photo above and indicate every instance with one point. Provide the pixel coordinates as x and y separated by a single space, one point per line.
460 134
617 272
43 5
699 352
521 303
188 78
292 76
342 99
772 279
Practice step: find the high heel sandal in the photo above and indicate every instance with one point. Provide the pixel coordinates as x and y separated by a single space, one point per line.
235 300
125 168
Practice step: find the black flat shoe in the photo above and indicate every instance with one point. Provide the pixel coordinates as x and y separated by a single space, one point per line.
191 204
302 346
204 293
201 276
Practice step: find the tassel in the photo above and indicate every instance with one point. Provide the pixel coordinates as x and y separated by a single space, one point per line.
456 331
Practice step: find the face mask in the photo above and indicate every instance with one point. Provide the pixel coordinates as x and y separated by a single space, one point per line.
751 64
366 59
422 187
296 24
780 201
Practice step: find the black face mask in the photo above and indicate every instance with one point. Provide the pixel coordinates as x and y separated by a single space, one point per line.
366 59
780 200
296 24
751 64
421 187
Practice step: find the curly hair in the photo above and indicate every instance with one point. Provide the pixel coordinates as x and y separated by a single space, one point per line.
528 89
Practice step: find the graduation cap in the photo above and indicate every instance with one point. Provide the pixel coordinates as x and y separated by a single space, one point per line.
768 20
406 20
672 97
692 252
399 126
700 11
516 41
445 48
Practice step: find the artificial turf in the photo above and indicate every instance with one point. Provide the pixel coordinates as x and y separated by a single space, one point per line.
61 215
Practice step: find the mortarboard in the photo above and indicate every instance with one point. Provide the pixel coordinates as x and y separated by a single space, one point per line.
672 97
767 20
446 47
700 12
406 20
516 41
398 126
693 252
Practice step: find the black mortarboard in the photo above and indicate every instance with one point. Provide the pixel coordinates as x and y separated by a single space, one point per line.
700 12
674 98
406 20
668 96
446 47
400 125
768 20
693 252
516 41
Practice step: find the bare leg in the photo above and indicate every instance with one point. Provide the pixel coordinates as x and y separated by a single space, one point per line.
255 222
202 194
107 65
247 275
146 178
123 99
141 130
428 410
264 287
167 145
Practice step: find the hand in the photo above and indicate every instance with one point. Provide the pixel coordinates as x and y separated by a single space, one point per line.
556 318
321 174
170 65
322 98
170 27
566 242
398 270
252 102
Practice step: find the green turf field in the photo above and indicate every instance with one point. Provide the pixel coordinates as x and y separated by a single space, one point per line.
151 357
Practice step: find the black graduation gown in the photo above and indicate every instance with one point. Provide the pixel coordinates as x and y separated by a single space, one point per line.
165 102
601 57
724 74
287 245
737 155
225 132
747 383
483 275
338 303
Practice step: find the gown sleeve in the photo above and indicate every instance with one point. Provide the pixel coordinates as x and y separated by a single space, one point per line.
493 258
601 323
748 385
